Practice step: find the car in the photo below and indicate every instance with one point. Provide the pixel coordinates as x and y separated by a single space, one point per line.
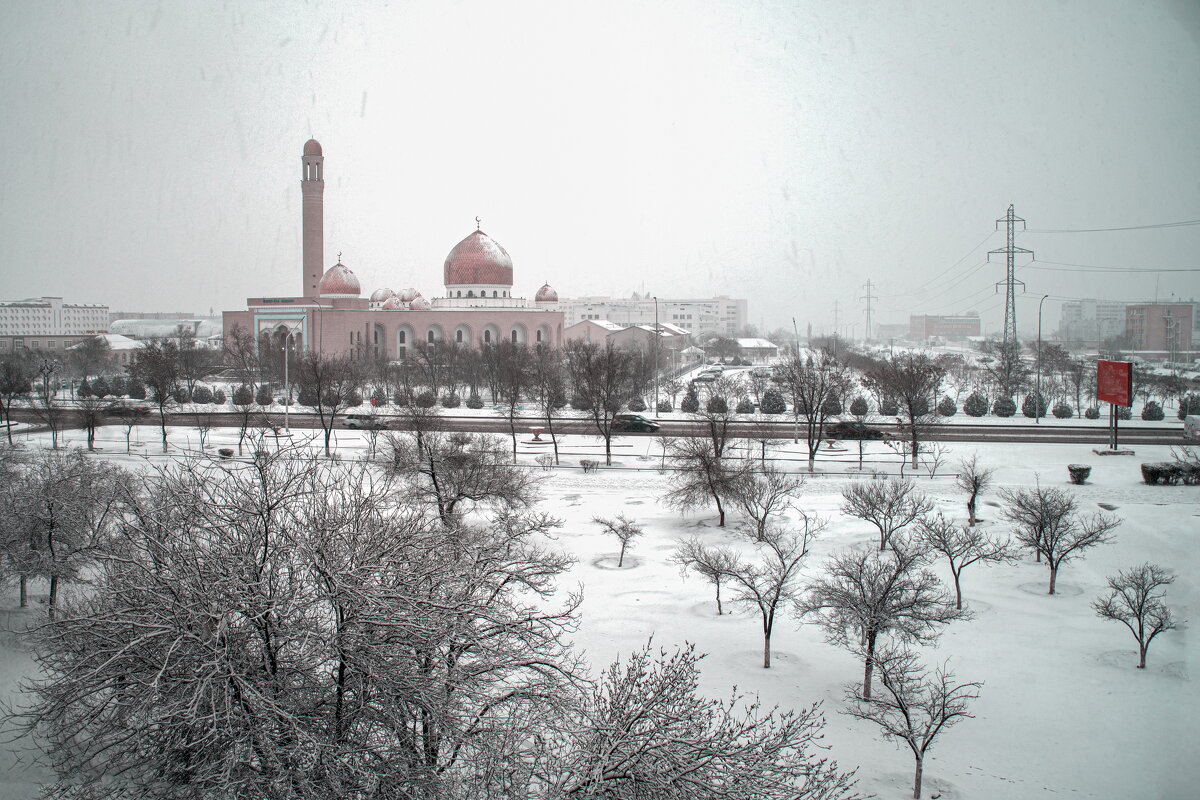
365 422
121 409
853 430
634 423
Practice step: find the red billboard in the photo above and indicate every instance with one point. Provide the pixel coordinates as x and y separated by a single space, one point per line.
1114 382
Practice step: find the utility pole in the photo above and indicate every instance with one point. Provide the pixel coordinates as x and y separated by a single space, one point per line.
1171 336
835 319
868 297
1010 281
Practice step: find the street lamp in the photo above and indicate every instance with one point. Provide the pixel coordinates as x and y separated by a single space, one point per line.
656 355
1037 398
287 387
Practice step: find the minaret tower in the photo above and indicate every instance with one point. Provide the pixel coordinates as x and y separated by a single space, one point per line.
312 189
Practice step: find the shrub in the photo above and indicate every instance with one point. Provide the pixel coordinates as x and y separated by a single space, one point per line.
946 407
263 396
100 388
451 400
1161 473
717 405
1063 410
1092 412
225 452
637 404
832 406
402 397
1079 473
355 398
745 406
1152 411
859 406
580 403
976 405
219 396
920 407
690 403
889 407
181 395
84 390
379 397
118 386
202 394
664 406
475 401
242 396
1124 413
1189 404
425 399
773 402
1034 405
1004 407
306 396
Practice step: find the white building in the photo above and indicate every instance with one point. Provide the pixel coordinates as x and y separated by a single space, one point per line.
47 323
721 315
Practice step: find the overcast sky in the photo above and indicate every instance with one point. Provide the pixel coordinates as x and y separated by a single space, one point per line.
785 152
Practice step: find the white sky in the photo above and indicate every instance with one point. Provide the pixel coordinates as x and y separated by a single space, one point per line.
780 151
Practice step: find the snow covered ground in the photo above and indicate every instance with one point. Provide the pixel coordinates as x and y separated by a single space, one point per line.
1063 712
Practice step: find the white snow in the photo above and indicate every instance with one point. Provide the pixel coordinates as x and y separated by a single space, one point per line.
1063 711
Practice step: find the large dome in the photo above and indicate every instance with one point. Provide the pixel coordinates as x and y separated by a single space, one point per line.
339 281
546 294
381 295
478 260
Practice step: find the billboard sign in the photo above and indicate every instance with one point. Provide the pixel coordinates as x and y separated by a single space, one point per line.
1114 382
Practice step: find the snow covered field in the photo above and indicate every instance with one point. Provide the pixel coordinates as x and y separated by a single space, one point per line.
1062 713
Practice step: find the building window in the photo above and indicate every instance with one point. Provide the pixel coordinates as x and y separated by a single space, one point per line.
538 337
458 336
470 293
494 293
487 337
429 337
514 336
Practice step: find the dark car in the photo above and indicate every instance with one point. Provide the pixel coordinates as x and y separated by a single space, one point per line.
853 430
633 423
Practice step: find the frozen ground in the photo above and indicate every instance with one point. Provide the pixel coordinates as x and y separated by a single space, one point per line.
1063 711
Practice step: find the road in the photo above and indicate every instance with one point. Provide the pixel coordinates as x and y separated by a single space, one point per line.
1168 433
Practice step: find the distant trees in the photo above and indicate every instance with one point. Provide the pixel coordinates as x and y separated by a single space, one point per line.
914 706
600 377
1135 599
702 477
912 380
815 381
16 380
332 383
156 365
1048 522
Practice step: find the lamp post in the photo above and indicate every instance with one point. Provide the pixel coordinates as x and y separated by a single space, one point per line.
287 387
1037 397
656 355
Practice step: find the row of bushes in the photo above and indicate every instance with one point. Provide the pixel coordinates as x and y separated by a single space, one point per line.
1171 473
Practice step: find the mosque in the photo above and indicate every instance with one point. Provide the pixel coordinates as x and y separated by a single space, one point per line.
331 316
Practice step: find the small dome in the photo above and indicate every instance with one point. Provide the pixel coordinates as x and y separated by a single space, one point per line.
546 295
419 304
394 303
339 281
410 294
478 260
312 148
380 295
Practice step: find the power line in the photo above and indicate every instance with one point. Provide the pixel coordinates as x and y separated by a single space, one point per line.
921 286
1154 226
1063 266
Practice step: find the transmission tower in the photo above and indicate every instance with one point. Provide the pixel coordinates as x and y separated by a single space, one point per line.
1010 281
868 297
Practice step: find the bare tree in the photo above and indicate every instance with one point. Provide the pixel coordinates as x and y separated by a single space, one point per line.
716 413
625 529
974 479
914 706
600 376
914 380
962 546
547 387
813 381
513 378
889 505
1135 599
647 733
701 477
935 457
450 471
1047 521
16 380
332 383
865 595
711 563
90 410
766 492
156 364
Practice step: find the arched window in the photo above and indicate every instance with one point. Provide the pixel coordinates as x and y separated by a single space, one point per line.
487 337
470 293
538 338
514 336
458 336
459 293
494 293
429 337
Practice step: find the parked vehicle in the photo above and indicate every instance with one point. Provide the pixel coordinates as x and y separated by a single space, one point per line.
634 423
850 429
365 422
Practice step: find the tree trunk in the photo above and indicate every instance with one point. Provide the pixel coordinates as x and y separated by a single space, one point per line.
971 511
719 611
24 592
957 590
621 558
1053 577
1141 656
720 511
917 779
869 666
766 650
53 603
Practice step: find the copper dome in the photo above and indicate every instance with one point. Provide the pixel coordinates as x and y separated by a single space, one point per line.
546 295
380 295
478 260
312 148
394 303
339 281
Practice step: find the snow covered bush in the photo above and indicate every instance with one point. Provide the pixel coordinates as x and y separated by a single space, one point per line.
832 406
136 390
976 405
580 403
1152 412
1034 405
717 405
889 407
425 399
1189 404
100 388
181 395
690 403
202 394
474 401
859 407
1092 413
451 400
745 406
242 396
773 402
946 407
263 396
84 390
1079 473
637 405
1063 410
1124 413
665 407
379 397
1004 407
219 397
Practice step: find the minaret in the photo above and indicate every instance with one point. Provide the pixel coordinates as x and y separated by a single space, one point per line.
312 190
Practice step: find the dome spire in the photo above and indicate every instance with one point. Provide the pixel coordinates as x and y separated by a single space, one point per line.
478 222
